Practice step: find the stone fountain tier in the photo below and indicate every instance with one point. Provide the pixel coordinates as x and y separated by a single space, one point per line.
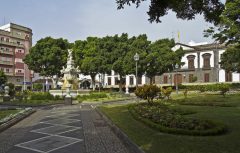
70 73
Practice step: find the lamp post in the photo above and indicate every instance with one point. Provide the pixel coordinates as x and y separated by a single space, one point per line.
136 58
177 66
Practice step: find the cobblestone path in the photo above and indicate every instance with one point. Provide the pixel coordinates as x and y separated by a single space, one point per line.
66 129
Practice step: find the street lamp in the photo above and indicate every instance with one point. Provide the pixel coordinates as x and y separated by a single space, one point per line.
177 66
136 58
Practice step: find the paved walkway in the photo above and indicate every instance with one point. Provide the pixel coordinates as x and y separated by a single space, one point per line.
66 129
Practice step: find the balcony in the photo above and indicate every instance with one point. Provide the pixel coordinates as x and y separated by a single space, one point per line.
6 62
6 52
9 73
19 74
11 44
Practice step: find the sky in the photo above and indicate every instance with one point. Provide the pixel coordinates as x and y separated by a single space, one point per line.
79 19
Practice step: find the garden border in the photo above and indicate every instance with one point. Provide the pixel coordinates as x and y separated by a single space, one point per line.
219 130
16 119
120 134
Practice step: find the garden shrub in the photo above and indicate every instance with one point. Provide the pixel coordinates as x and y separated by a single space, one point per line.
168 120
37 86
92 95
224 88
40 96
147 92
167 92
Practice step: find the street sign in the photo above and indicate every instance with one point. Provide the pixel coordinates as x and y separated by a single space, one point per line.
27 83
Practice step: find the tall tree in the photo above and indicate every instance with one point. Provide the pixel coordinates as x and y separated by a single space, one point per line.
230 59
160 58
90 58
48 57
3 78
118 54
184 9
228 30
138 45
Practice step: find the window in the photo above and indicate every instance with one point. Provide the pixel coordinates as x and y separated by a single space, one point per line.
109 81
206 60
18 80
19 71
191 61
131 80
2 48
2 38
165 79
190 78
2 69
7 49
228 76
7 70
19 33
18 42
7 39
116 80
206 77
19 51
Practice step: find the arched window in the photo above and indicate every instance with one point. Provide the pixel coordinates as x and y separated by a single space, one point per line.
191 61
206 60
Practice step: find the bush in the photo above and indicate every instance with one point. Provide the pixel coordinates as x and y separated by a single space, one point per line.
93 95
40 96
224 88
168 120
147 92
167 92
37 86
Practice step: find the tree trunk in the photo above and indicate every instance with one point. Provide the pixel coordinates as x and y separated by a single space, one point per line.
93 82
151 79
120 84
54 81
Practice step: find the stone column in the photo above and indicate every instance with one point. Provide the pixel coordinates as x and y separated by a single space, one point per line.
216 65
198 60
198 70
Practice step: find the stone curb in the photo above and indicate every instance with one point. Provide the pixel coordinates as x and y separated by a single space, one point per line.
117 100
16 119
120 134
29 105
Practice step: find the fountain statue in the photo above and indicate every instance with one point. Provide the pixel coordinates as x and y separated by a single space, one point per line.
70 81
70 74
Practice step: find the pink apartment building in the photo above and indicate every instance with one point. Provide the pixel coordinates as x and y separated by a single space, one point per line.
15 42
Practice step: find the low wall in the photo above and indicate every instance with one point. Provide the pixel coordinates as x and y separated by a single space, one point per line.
73 93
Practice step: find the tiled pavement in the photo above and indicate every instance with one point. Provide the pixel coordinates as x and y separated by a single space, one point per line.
75 129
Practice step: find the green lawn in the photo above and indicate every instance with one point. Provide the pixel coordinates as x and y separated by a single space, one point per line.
5 113
153 141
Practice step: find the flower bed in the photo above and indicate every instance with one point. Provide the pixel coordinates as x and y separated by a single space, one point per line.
168 120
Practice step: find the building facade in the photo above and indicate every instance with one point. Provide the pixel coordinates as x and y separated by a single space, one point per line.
15 43
201 65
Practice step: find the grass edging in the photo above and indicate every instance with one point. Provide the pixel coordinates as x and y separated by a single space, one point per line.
12 121
218 130
120 134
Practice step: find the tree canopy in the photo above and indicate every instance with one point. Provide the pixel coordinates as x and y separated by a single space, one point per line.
48 56
161 58
184 9
228 30
230 59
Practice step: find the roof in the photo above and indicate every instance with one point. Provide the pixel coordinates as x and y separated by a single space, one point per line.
203 47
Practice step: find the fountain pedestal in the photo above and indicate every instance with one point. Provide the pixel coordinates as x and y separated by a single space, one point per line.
68 97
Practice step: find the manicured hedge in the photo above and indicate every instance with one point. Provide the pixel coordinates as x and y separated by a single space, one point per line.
214 127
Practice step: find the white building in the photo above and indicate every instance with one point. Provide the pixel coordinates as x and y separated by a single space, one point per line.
201 66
